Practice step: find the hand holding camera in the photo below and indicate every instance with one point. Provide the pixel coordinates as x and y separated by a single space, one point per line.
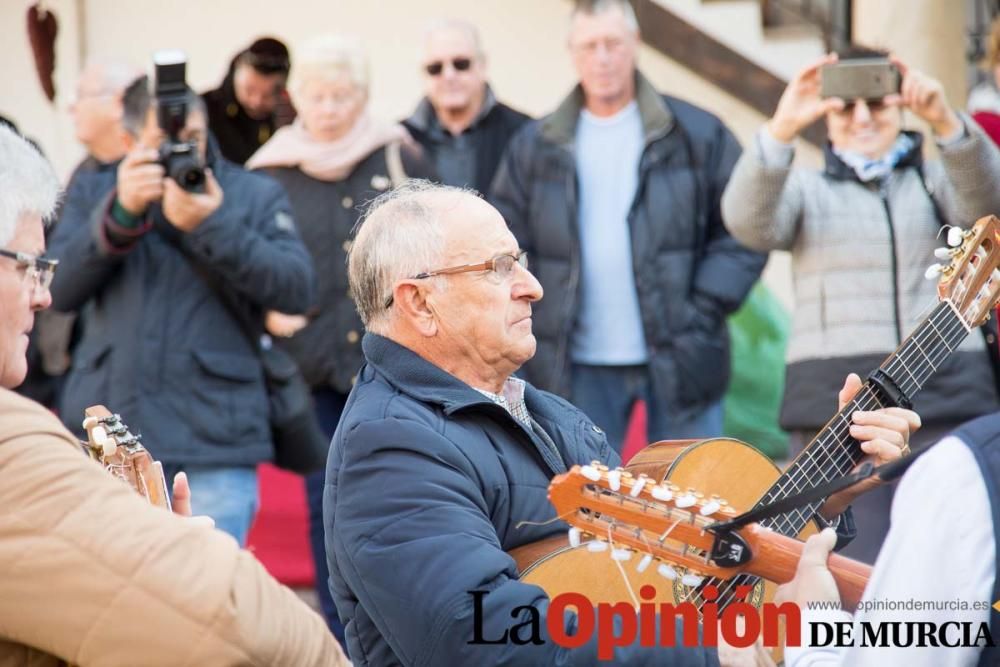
186 210
140 180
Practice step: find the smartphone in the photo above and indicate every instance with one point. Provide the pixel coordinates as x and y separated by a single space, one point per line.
861 78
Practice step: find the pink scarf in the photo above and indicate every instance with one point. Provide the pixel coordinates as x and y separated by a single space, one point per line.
291 146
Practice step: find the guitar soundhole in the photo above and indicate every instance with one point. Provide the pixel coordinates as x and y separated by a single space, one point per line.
684 593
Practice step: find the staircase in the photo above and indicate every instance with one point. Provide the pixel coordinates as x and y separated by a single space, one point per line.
750 48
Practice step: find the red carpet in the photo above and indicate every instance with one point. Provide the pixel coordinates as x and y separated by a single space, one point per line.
280 534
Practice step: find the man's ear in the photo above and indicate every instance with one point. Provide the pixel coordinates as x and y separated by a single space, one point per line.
411 301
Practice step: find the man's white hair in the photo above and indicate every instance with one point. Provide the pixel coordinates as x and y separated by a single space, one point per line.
28 184
595 7
115 75
458 25
400 236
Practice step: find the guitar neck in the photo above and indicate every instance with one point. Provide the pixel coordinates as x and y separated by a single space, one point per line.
833 452
776 558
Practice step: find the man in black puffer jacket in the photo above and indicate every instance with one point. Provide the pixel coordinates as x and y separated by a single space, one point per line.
146 262
616 196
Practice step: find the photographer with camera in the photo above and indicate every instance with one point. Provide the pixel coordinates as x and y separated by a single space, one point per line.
862 233
173 255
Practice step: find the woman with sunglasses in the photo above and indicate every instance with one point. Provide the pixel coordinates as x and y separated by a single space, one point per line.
862 233
331 160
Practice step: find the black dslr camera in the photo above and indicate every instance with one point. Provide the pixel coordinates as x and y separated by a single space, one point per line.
180 159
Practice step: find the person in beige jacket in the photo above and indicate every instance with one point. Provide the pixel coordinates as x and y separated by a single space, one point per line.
90 573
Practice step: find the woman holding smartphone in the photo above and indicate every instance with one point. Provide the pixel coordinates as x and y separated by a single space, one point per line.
862 233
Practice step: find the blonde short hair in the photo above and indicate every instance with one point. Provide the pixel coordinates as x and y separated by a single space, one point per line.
327 57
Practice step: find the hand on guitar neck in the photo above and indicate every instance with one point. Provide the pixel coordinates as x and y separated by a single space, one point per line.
813 582
884 436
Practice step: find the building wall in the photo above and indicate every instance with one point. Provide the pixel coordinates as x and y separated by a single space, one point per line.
524 39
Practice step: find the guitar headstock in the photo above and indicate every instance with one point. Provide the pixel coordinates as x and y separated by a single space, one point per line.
971 279
121 453
106 431
638 517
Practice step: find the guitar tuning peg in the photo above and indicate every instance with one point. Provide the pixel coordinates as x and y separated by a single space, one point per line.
637 486
692 580
711 507
667 572
621 554
615 479
100 437
687 500
591 473
944 253
596 546
644 563
955 236
933 271
574 537
662 492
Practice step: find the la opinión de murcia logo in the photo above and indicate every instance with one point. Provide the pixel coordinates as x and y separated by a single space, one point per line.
739 624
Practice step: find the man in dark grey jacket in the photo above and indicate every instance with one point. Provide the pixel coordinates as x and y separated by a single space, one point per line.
442 459
148 262
616 194
460 124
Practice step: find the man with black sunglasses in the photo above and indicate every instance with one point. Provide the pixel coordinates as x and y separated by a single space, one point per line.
460 124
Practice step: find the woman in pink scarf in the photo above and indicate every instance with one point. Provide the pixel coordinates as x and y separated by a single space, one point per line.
331 160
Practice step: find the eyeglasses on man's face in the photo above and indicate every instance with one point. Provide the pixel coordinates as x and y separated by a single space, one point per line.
458 64
38 270
501 265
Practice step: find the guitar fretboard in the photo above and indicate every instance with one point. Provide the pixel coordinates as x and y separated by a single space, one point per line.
833 452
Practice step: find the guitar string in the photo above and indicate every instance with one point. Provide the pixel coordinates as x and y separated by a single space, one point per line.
927 330
944 339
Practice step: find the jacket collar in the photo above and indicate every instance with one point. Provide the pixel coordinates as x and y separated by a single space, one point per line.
424 119
420 379
415 376
559 127
838 170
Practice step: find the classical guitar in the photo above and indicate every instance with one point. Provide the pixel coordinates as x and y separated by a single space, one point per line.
110 443
968 289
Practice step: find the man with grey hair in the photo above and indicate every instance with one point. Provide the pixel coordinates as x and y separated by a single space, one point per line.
91 573
175 283
460 124
618 192
442 459
97 112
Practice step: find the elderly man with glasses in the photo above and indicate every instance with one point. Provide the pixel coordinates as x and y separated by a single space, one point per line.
461 126
442 452
91 573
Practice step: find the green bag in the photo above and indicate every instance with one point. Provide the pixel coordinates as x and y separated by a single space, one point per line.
758 333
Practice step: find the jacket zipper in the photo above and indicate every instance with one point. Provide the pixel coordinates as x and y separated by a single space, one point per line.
884 195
